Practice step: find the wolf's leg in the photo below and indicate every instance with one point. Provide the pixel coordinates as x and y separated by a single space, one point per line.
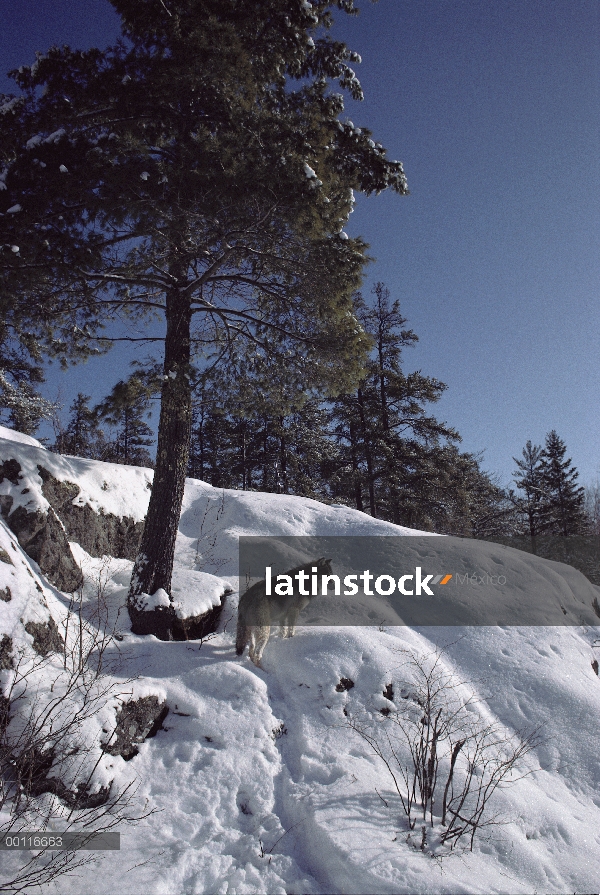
260 639
291 619
242 638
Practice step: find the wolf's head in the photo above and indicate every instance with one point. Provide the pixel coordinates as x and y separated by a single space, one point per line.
324 566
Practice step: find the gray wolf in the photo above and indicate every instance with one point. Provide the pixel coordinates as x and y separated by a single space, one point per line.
257 611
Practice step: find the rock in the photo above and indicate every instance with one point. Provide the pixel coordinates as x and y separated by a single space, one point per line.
45 536
99 534
35 765
46 637
165 624
11 470
6 658
4 557
41 535
137 720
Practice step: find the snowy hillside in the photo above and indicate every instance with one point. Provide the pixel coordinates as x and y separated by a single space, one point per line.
259 782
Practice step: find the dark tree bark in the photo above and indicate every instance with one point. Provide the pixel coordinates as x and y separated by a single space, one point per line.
283 456
154 566
368 456
356 472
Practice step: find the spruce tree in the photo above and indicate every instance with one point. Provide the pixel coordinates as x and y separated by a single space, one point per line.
124 409
382 428
529 478
198 170
256 428
473 504
565 513
82 436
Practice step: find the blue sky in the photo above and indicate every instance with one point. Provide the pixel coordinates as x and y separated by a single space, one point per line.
494 108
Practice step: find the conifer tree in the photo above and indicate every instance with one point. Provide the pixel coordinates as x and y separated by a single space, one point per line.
198 171
255 428
592 508
565 513
529 478
473 505
21 372
82 435
125 409
382 427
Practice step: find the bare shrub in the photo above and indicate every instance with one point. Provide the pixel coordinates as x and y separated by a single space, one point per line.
208 536
445 760
48 762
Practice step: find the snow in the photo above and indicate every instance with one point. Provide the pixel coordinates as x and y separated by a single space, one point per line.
107 487
34 141
14 209
11 104
195 592
19 437
156 601
55 136
259 782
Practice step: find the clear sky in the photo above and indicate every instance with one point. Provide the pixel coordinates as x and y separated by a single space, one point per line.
494 108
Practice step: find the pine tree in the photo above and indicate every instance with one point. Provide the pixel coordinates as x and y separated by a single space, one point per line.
255 428
565 513
82 436
21 406
529 478
382 428
474 505
592 508
198 171
125 409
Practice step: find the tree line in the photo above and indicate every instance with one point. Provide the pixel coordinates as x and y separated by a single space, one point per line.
377 448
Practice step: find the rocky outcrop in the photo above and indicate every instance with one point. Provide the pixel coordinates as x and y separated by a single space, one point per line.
11 470
137 720
6 653
99 534
45 536
35 765
46 637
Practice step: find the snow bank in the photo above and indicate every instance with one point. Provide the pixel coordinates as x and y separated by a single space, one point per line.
107 487
259 784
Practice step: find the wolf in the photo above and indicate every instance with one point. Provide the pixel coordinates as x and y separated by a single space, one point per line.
257 611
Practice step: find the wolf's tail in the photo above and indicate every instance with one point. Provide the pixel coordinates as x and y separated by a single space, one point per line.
242 638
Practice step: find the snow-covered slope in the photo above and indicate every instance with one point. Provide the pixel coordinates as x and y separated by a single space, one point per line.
260 784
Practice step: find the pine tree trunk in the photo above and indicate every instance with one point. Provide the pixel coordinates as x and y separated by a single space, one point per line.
243 459
154 566
283 456
265 447
355 470
368 457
